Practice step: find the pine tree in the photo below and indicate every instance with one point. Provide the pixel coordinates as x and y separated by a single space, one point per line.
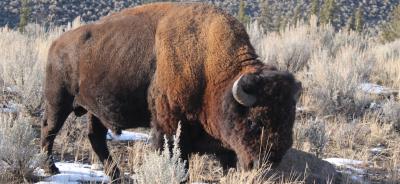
350 24
282 23
391 31
314 7
242 13
147 1
297 12
328 12
265 18
359 22
23 15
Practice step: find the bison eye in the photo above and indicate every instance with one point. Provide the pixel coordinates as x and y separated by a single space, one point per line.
251 123
248 121
253 127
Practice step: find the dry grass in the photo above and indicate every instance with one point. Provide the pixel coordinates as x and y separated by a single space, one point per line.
387 72
204 168
331 66
357 140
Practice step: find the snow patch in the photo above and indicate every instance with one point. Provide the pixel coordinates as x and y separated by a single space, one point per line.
12 89
358 178
376 89
74 173
127 136
343 161
377 150
349 167
9 108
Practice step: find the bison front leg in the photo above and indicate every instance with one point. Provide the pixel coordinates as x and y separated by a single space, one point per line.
97 136
52 122
156 138
165 120
158 141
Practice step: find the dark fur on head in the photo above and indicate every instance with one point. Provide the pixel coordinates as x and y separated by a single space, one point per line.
267 125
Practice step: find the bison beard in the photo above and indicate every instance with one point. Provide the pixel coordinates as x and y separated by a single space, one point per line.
167 63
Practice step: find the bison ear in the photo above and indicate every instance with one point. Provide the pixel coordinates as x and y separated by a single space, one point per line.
243 89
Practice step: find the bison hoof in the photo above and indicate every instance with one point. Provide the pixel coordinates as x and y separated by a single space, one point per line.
51 170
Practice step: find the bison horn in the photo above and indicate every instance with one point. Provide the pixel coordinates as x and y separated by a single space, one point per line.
240 95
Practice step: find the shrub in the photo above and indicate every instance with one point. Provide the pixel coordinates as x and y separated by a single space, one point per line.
289 50
331 65
387 68
333 82
19 153
23 57
163 167
350 135
391 113
390 31
22 62
316 136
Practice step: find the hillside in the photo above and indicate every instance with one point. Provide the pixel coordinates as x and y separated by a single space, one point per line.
347 123
60 12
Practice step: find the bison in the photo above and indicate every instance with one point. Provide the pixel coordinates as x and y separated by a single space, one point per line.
160 64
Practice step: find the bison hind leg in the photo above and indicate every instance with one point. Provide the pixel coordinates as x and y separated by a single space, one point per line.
79 111
206 144
97 136
157 140
227 158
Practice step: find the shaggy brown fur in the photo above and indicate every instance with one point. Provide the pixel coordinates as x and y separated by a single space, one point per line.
169 63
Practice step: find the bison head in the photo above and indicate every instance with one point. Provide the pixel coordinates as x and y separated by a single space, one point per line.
259 113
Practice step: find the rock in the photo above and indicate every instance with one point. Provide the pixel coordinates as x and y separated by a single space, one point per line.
308 166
